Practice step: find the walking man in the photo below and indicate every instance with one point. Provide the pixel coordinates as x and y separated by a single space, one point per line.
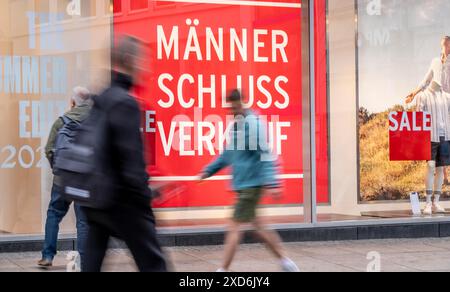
253 174
58 207
130 216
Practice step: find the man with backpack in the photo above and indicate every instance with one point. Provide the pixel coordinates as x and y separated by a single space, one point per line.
64 128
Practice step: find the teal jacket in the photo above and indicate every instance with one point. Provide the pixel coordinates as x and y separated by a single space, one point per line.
253 164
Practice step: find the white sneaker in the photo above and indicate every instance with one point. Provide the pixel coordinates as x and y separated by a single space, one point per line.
428 211
221 270
438 209
289 266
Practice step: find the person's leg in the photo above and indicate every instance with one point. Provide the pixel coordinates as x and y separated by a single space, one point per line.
57 209
429 184
429 181
232 240
249 200
136 226
438 182
274 243
82 231
96 242
442 160
244 212
270 238
430 174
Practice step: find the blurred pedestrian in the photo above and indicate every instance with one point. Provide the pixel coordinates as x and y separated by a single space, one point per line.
254 173
129 217
59 206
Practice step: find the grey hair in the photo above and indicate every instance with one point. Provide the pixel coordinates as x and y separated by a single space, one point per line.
81 95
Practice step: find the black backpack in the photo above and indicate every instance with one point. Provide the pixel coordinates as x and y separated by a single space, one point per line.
83 167
64 139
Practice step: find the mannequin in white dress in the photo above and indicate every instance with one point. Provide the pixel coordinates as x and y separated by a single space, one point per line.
433 96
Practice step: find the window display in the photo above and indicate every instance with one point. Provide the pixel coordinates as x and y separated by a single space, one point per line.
361 98
43 56
396 41
381 128
196 58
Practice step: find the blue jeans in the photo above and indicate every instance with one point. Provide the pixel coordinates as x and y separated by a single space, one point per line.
57 210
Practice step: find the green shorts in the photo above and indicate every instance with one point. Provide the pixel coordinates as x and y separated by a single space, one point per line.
245 209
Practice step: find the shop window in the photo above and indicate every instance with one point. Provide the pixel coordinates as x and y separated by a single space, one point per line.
88 8
115 6
164 3
138 5
42 5
373 65
42 10
68 9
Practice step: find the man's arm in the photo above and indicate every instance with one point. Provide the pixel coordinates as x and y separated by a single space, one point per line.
427 79
220 163
49 148
269 165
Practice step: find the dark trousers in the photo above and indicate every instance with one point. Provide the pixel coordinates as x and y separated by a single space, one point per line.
133 224
57 210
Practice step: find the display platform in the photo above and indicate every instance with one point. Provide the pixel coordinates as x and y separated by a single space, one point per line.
192 223
399 214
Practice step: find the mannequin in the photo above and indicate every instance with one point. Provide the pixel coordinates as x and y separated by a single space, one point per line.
433 96
446 88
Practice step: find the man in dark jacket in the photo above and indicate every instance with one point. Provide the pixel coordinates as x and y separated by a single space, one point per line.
58 207
130 217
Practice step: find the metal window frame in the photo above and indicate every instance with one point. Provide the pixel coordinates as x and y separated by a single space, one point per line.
308 112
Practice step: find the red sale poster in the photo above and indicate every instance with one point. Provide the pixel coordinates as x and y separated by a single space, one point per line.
196 52
409 136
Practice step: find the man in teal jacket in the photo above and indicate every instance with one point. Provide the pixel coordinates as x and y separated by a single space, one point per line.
254 172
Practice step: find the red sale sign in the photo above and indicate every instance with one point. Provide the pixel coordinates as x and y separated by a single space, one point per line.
197 52
409 136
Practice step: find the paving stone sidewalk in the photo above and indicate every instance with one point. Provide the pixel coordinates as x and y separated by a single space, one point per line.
399 255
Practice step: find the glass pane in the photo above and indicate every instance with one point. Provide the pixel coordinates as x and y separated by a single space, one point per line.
139 4
379 142
88 8
83 8
117 6
41 60
194 59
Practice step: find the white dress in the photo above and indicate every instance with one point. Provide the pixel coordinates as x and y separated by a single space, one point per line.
446 76
435 100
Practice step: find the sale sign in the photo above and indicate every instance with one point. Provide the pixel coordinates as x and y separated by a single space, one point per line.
196 53
409 136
